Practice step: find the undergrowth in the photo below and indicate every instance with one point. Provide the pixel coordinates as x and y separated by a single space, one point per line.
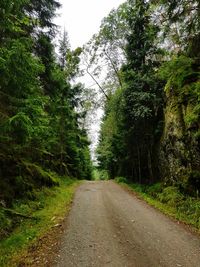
47 209
169 200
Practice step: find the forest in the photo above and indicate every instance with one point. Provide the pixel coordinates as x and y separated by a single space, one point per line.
41 113
148 53
151 126
43 138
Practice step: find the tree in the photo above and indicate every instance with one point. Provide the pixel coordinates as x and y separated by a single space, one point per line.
40 134
180 22
64 48
141 99
104 54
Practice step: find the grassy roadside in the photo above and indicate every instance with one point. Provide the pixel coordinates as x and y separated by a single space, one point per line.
49 208
169 201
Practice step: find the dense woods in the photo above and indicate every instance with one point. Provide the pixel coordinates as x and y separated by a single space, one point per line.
150 130
145 63
42 134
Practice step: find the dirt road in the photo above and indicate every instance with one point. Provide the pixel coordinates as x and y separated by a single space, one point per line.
108 226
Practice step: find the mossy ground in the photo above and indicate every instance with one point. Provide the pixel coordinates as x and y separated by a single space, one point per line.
48 209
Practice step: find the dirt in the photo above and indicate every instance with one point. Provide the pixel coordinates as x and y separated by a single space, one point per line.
44 252
107 226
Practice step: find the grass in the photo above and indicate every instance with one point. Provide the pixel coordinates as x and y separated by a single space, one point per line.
49 208
168 200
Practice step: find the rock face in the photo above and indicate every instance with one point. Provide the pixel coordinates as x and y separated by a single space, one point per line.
180 142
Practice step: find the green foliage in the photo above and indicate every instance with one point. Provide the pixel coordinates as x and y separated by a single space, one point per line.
133 124
40 133
171 196
110 143
48 209
95 174
5 223
103 175
170 201
154 189
128 138
178 72
121 180
40 175
182 74
180 24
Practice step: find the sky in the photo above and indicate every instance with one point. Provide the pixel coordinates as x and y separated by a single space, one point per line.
82 18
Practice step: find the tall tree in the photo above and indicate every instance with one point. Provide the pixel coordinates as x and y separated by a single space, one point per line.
141 97
39 127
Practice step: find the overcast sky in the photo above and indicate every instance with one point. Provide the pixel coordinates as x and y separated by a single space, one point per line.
82 18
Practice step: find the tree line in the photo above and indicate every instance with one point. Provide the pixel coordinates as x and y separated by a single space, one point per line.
151 126
42 133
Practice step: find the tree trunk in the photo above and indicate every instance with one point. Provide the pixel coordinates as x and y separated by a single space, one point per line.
139 165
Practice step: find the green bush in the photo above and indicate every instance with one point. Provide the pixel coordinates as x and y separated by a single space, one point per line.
121 180
191 209
154 189
171 195
103 175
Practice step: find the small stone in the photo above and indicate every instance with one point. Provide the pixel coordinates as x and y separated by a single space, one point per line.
57 225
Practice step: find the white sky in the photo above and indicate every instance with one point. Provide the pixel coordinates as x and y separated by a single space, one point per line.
82 18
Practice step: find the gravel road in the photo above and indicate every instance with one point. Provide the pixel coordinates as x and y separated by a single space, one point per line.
108 226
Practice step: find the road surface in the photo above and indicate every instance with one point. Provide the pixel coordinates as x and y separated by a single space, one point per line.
110 227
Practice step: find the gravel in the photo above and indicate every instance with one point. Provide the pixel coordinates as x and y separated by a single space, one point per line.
108 226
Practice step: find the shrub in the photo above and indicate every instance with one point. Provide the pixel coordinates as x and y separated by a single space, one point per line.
171 196
121 180
104 175
154 189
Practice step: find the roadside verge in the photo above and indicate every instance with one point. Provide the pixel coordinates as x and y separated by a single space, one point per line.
40 230
182 209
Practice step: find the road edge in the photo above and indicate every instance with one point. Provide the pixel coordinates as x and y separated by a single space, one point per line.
158 206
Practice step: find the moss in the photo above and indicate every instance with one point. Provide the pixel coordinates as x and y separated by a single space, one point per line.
179 149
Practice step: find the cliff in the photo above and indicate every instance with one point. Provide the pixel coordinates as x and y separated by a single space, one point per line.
180 142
